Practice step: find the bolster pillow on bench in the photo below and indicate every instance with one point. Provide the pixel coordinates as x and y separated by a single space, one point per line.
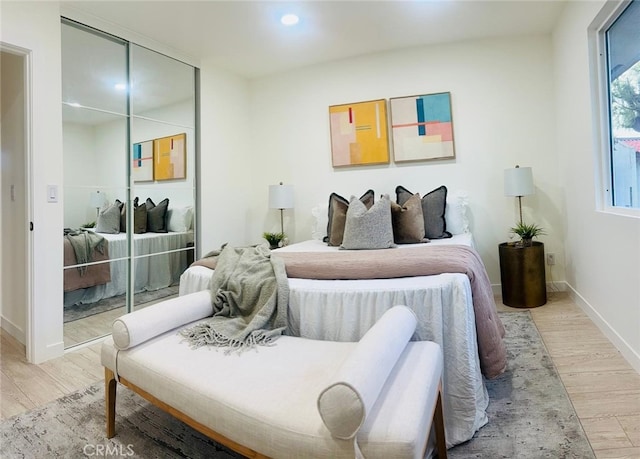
139 326
355 387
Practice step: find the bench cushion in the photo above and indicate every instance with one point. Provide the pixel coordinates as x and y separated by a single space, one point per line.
265 399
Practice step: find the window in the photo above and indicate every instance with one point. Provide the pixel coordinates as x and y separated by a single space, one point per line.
622 54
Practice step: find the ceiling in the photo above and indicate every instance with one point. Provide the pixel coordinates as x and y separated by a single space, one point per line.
247 38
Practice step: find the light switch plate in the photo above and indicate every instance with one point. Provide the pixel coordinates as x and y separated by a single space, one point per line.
52 193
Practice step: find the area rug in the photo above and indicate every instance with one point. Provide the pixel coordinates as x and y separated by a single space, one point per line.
530 413
80 311
530 416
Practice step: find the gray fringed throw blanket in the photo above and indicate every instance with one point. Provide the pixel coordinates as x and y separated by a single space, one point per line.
84 243
250 294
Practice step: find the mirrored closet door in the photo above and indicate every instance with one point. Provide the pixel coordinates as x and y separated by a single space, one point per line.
129 133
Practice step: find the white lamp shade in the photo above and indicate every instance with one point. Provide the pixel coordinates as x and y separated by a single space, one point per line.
281 196
97 199
518 181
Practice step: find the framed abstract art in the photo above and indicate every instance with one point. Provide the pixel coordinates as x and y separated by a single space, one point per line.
142 161
170 157
359 133
422 127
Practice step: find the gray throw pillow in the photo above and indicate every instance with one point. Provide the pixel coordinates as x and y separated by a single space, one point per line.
433 207
368 228
337 214
408 221
157 216
109 220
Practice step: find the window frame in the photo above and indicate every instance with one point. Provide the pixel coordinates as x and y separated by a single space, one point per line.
602 108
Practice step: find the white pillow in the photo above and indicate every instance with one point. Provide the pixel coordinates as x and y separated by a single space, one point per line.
139 326
345 403
180 219
455 213
320 221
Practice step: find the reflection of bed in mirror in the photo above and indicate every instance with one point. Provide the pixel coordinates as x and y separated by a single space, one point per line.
163 257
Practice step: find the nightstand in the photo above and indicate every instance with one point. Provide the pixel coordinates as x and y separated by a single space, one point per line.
522 275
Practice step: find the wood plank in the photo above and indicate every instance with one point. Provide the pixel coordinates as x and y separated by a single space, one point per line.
605 433
14 401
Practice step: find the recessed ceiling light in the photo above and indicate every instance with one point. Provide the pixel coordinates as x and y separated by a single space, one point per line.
289 19
121 86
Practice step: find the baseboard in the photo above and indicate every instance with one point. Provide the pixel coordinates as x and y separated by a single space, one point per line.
15 331
560 286
625 349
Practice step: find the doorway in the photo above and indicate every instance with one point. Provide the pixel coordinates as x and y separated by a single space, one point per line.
15 209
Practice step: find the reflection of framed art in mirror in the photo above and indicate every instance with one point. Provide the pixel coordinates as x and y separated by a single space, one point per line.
170 157
142 161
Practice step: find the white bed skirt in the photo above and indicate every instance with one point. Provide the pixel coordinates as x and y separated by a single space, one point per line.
343 310
162 268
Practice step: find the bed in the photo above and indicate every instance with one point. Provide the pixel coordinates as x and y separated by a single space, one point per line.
162 259
343 310
327 304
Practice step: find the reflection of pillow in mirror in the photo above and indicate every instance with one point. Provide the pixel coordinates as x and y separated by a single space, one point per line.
180 219
368 228
408 222
123 216
157 215
109 220
139 217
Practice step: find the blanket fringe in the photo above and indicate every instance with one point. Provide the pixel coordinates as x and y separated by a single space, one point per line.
204 335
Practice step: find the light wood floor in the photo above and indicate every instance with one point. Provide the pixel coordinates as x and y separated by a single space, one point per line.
603 387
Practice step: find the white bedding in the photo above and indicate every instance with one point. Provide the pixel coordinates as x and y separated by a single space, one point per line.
343 310
159 270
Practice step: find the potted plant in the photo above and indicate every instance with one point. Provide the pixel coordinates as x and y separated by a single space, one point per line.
522 270
275 240
527 232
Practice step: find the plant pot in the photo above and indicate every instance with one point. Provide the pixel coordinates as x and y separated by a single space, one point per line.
522 275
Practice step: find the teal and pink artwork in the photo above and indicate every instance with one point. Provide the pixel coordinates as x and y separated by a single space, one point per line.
422 127
142 161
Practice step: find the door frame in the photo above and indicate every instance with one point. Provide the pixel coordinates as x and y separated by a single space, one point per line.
26 55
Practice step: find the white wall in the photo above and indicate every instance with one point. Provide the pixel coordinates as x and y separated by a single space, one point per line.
36 27
226 161
13 215
503 114
603 250
80 174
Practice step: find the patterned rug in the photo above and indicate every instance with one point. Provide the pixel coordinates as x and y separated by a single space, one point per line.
530 416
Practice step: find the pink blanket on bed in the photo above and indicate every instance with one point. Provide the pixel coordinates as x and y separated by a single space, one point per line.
409 262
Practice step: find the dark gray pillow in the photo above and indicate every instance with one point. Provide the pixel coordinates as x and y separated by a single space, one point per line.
408 221
109 220
368 228
157 216
139 217
338 213
433 206
123 216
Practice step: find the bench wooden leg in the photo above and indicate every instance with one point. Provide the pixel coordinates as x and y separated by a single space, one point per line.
438 418
110 384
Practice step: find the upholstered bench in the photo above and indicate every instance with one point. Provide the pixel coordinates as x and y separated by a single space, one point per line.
296 398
